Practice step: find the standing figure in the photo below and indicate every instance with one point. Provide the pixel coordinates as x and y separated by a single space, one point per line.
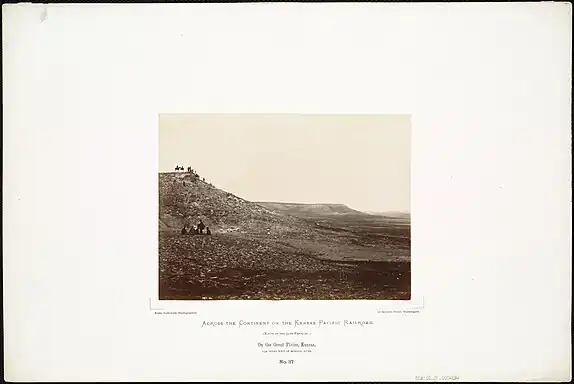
207 231
183 231
200 226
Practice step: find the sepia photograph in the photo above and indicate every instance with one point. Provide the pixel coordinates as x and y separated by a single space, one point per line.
284 207
343 192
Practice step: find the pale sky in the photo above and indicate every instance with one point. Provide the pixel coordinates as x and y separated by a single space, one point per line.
362 161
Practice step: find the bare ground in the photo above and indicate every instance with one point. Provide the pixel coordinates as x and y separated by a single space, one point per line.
234 266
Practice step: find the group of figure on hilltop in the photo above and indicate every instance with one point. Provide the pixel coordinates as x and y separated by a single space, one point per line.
196 229
180 168
189 170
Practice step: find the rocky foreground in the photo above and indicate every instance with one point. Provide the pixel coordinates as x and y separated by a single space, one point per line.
230 266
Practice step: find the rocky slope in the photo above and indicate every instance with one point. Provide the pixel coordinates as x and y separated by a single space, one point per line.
185 199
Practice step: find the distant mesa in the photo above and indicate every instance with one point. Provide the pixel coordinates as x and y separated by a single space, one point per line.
313 209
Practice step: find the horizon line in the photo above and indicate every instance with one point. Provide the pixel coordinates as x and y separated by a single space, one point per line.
299 203
343 204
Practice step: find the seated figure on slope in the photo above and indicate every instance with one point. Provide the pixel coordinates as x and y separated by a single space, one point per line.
200 226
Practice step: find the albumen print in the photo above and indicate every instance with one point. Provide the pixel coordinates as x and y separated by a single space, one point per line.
284 207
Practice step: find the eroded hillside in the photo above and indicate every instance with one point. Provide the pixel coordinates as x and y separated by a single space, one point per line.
185 199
